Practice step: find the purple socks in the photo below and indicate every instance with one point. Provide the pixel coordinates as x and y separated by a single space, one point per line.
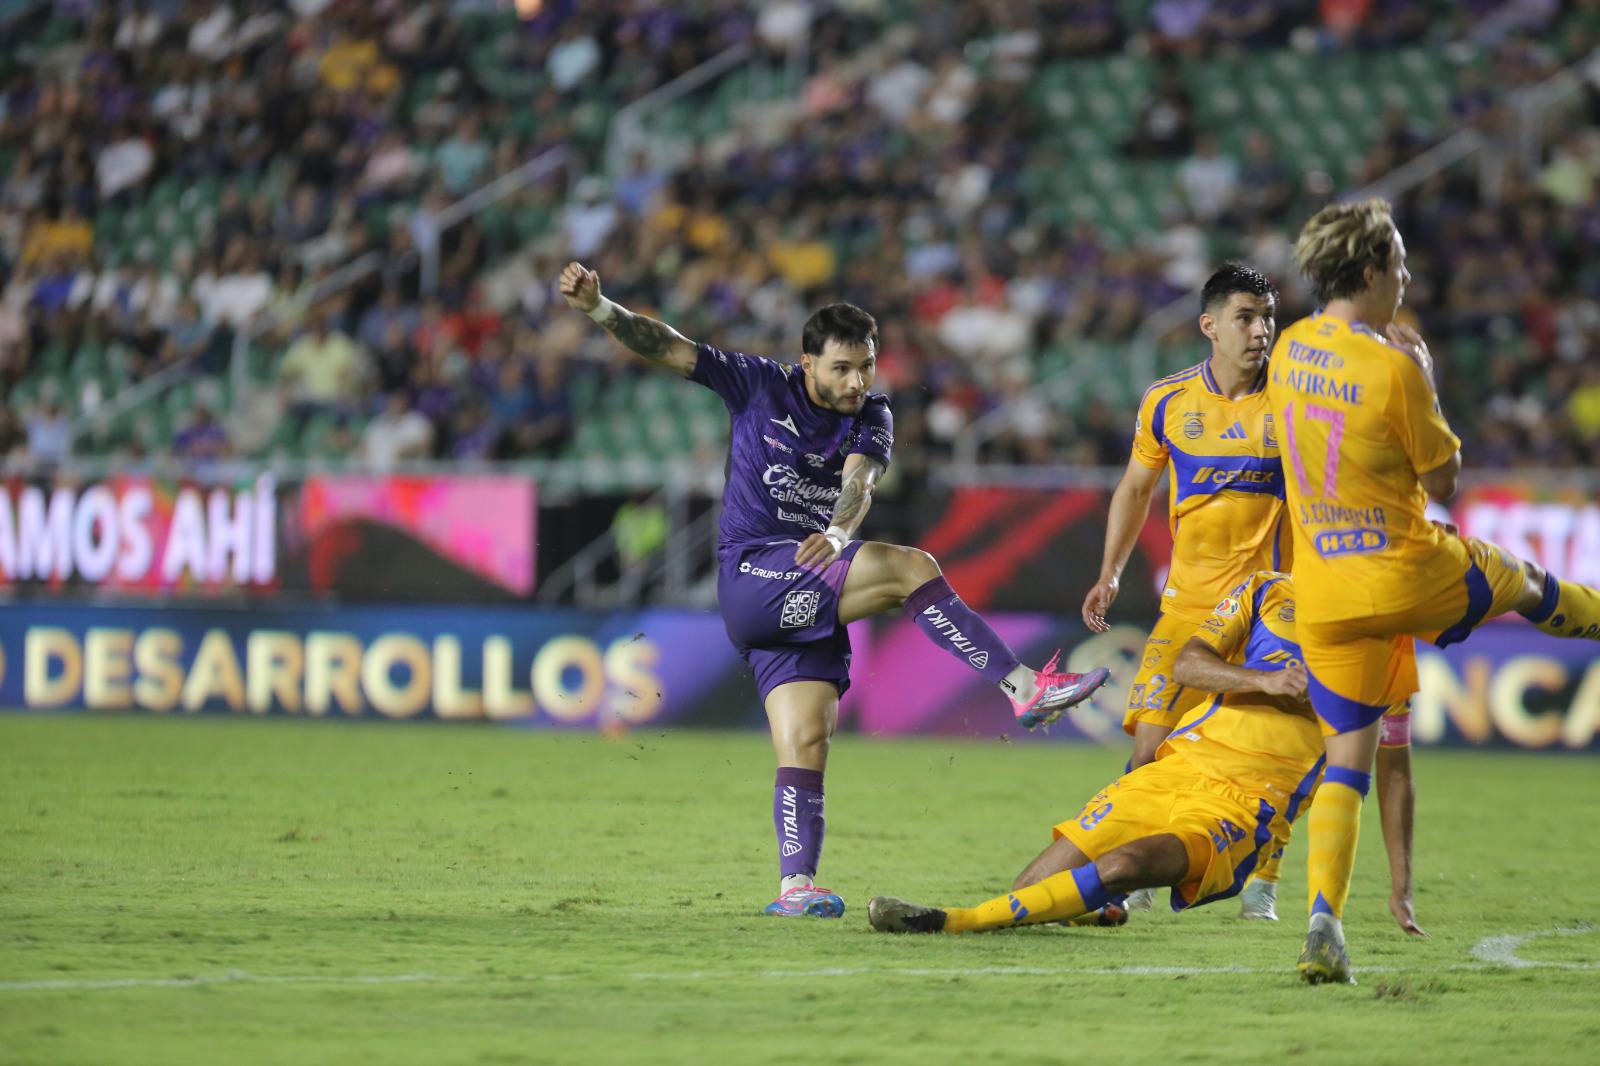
797 816
952 625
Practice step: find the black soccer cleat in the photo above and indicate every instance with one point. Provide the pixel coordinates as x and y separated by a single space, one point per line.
1323 960
890 915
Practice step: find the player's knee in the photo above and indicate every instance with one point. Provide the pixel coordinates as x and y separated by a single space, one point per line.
809 737
1118 869
1533 579
915 568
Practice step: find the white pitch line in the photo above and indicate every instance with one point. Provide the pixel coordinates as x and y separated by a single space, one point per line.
1502 950
233 977
1495 952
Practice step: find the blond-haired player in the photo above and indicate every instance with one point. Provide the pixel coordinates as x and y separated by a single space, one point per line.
1210 427
1354 398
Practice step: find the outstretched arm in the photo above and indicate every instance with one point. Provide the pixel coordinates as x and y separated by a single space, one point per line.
1129 506
861 473
1397 804
655 341
1199 666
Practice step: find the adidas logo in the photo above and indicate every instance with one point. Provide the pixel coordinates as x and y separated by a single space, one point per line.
979 659
1235 432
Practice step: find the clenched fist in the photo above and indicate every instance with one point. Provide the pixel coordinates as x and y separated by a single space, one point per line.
581 287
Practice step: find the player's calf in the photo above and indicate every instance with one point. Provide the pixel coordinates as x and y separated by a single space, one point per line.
1561 608
883 576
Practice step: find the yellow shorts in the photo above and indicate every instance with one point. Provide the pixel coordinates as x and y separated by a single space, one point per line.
1154 697
1360 667
1228 828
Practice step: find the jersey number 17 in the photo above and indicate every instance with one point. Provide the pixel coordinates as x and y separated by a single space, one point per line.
1330 466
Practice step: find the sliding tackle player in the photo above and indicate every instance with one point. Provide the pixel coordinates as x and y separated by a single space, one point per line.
1218 799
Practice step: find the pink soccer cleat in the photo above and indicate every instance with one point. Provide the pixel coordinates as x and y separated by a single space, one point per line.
1057 691
807 902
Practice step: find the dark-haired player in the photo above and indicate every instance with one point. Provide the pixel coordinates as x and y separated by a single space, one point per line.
1211 426
808 444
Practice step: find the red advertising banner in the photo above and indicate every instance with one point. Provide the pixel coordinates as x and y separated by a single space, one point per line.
358 537
1039 549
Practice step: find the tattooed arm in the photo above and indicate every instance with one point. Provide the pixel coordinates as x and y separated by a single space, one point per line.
861 473
655 341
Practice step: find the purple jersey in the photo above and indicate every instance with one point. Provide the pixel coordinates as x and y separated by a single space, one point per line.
786 456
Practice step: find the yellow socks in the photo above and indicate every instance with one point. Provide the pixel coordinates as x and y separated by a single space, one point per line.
1568 610
1056 898
1268 871
1334 826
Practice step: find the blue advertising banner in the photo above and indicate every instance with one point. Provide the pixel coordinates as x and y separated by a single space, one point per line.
544 668
1508 686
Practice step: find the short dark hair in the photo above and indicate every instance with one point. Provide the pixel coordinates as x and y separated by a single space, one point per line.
845 323
1231 278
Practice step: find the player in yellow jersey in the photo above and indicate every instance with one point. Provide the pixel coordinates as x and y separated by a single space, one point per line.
1210 426
1217 801
1353 397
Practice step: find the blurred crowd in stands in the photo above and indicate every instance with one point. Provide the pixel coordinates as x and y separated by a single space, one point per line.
175 173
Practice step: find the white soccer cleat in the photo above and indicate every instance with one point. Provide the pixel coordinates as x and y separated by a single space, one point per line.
1142 899
1259 901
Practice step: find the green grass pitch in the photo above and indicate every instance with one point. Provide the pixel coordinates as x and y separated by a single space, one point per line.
238 891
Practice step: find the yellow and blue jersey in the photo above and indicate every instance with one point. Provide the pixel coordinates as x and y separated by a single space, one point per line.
1253 737
1236 772
1359 422
1226 500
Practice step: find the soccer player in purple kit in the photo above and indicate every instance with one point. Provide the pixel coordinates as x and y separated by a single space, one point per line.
809 443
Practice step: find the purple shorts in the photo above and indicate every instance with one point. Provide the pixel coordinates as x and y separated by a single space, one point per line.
785 620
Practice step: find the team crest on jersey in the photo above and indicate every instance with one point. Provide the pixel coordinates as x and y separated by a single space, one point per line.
1193 424
800 609
1267 436
1286 612
979 659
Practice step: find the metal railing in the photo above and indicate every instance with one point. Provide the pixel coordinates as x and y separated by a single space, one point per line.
681 571
536 169
627 131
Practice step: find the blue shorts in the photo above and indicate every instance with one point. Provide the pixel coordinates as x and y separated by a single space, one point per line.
785 620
